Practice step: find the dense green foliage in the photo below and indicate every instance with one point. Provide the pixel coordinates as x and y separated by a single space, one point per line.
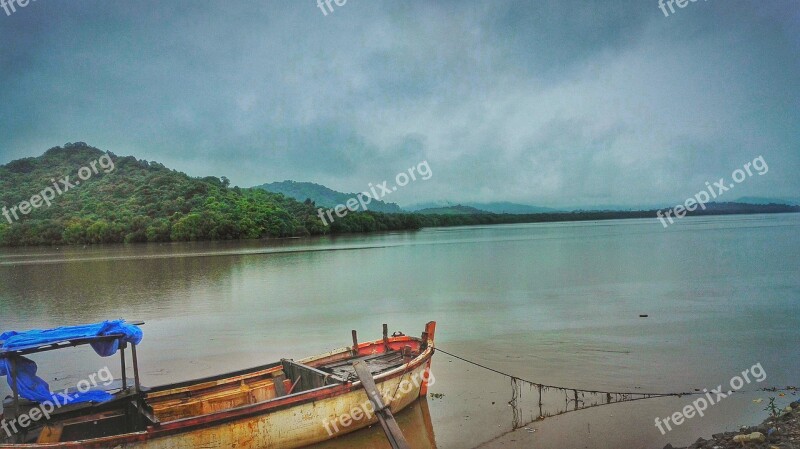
140 201
323 196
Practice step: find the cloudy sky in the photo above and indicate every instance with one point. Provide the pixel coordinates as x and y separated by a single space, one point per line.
548 102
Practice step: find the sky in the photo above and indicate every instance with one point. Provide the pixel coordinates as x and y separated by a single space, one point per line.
547 102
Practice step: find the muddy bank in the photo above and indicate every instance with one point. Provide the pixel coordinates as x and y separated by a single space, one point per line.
782 432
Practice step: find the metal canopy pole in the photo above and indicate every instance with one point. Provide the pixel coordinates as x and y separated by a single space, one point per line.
15 389
138 401
122 362
14 385
135 369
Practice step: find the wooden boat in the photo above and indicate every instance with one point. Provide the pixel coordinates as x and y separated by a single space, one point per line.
286 404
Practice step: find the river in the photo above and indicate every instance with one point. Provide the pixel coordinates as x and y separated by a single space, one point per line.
556 303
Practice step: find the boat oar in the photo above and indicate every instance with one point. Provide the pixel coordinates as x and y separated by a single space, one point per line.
383 412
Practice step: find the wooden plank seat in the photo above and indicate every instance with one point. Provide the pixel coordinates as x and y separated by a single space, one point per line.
213 396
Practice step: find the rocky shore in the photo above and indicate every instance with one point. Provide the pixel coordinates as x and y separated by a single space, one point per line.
782 432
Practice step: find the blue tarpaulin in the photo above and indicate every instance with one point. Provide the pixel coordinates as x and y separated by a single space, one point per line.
32 387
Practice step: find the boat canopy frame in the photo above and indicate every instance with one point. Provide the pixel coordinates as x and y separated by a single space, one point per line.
12 354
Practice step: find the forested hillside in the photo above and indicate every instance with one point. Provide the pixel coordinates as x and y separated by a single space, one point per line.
140 201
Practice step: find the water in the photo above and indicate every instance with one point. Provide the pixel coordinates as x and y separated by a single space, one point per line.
557 303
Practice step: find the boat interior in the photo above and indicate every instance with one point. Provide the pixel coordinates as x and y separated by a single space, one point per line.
132 411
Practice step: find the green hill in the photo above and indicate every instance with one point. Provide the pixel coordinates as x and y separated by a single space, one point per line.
497 207
140 201
323 196
505 207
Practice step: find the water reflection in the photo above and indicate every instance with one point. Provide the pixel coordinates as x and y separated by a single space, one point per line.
84 291
549 402
414 421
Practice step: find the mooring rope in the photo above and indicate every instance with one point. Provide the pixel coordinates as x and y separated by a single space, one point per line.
515 379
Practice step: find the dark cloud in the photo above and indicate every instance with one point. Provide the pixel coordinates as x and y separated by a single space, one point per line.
551 102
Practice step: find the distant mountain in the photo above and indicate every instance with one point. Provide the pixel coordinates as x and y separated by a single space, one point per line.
452 210
428 205
618 207
764 200
745 208
323 196
752 200
497 207
504 207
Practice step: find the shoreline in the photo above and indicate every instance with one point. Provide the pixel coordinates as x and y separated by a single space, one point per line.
782 432
504 219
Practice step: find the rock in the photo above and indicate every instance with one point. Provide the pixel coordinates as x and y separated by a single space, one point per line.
755 437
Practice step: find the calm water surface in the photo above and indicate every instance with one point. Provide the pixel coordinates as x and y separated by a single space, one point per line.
557 303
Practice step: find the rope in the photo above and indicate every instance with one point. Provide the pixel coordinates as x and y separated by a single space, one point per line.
629 393
405 371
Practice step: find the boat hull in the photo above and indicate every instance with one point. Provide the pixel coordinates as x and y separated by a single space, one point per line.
290 421
297 426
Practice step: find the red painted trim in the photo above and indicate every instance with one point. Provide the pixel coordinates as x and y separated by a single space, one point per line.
430 330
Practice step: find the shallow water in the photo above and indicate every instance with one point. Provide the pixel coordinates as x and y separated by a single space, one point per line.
557 303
